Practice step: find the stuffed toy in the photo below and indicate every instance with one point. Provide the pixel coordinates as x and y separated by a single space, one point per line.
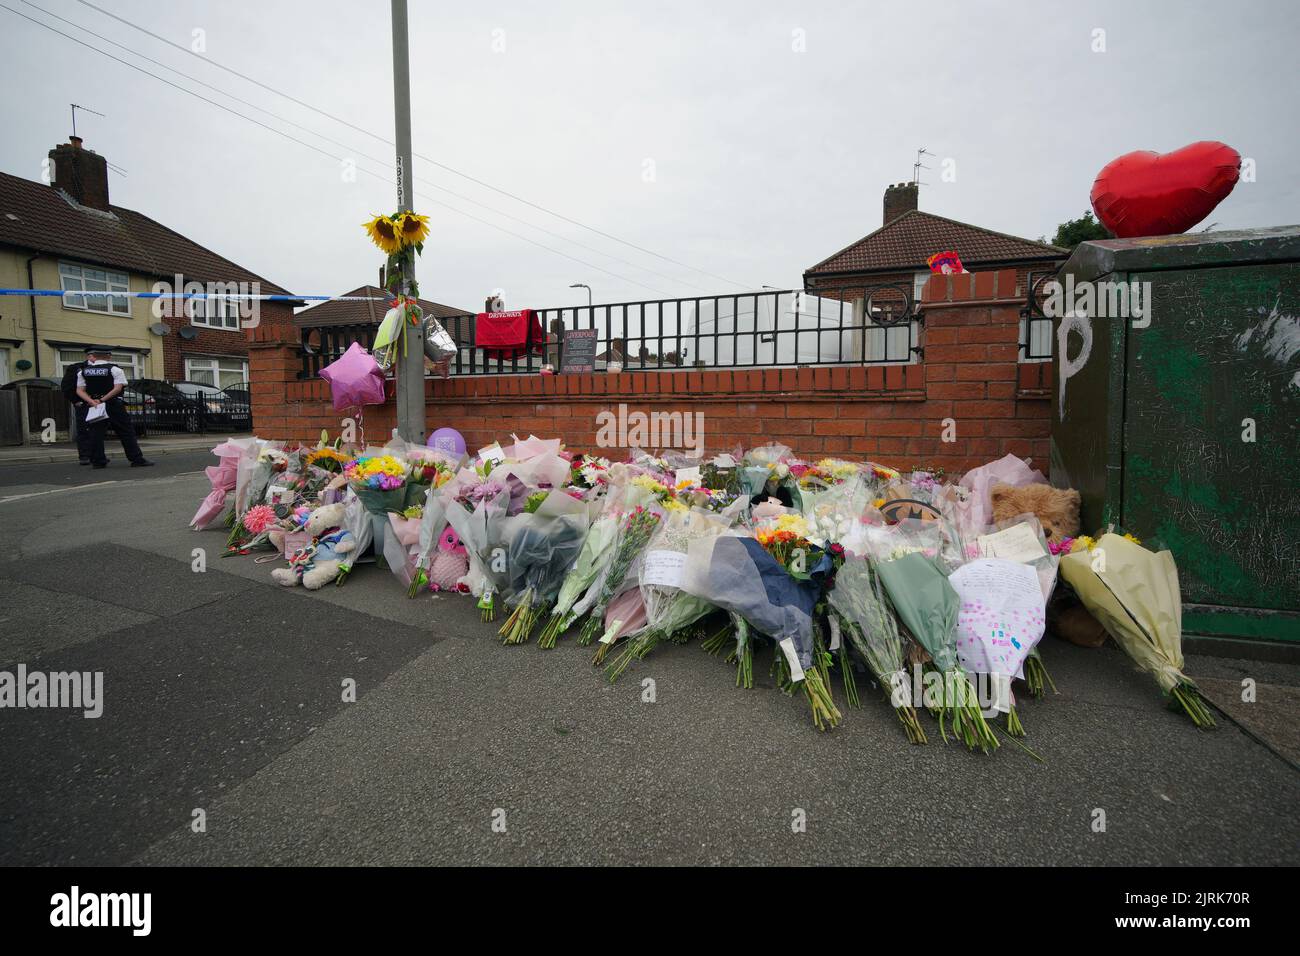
317 564
450 562
1057 509
1058 512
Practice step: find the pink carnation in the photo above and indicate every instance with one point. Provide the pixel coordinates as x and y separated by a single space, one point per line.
258 518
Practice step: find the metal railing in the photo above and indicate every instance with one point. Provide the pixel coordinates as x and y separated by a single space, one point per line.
873 325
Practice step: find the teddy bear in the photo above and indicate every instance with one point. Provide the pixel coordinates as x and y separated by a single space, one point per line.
317 564
1057 510
450 563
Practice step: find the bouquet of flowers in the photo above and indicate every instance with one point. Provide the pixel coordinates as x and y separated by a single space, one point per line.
358 521
858 604
772 584
253 528
634 534
597 549
1134 593
477 512
928 606
544 545
379 481
669 609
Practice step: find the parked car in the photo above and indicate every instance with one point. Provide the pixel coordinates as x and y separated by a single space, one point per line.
155 405
239 405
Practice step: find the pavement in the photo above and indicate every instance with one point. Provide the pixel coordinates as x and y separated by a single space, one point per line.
152 448
226 701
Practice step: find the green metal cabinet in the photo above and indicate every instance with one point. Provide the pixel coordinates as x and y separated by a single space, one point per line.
1186 430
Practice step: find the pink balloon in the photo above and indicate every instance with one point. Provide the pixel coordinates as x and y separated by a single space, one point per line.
355 379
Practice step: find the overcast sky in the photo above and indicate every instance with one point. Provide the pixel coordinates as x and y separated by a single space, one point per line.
747 139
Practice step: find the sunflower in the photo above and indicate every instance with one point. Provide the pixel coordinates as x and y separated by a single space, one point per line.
329 459
412 228
383 233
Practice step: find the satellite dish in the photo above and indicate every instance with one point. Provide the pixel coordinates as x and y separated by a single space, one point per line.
160 328
188 332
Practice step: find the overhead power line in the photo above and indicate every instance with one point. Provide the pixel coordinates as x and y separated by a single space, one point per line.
323 152
389 142
383 164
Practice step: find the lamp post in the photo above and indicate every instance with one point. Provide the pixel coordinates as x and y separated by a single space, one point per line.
583 285
410 364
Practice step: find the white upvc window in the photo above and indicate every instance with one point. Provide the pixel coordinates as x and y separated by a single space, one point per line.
213 313
890 344
220 372
76 279
132 363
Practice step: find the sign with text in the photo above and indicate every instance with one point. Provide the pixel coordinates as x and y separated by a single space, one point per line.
579 350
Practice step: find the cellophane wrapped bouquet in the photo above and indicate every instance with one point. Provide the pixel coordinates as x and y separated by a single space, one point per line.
906 558
543 543
669 609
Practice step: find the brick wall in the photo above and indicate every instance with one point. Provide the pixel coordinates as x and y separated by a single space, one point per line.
969 383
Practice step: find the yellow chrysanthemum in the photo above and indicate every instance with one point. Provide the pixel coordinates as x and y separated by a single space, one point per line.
383 233
1083 543
1132 538
412 228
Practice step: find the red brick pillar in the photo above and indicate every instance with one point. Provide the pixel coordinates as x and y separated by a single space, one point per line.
973 377
273 365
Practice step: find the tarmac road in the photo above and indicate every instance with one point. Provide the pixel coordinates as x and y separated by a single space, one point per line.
224 693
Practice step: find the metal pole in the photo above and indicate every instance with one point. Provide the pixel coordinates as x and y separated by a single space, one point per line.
410 365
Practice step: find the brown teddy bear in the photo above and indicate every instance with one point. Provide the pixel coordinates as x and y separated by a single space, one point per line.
1058 512
1057 508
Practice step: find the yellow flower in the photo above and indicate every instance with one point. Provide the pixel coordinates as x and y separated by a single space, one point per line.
1130 537
878 503
1082 543
672 504
383 233
412 228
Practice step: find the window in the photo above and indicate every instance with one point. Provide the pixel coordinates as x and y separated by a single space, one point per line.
221 372
918 285
75 279
213 313
1036 339
132 363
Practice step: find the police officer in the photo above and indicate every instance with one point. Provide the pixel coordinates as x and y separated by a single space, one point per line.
100 382
79 408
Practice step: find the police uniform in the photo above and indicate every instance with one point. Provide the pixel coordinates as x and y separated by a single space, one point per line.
79 409
97 379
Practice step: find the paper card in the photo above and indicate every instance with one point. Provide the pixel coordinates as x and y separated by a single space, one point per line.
1001 617
278 494
1016 543
688 474
665 568
492 453
835 632
295 540
792 658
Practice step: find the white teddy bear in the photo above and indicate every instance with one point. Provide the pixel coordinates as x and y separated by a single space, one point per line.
318 564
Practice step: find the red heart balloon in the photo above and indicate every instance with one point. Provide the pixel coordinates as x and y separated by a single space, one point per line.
1150 194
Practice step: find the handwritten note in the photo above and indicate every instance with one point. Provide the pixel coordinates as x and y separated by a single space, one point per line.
1002 615
664 568
1016 543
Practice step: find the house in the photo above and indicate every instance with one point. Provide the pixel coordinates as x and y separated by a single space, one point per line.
67 235
894 256
339 311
